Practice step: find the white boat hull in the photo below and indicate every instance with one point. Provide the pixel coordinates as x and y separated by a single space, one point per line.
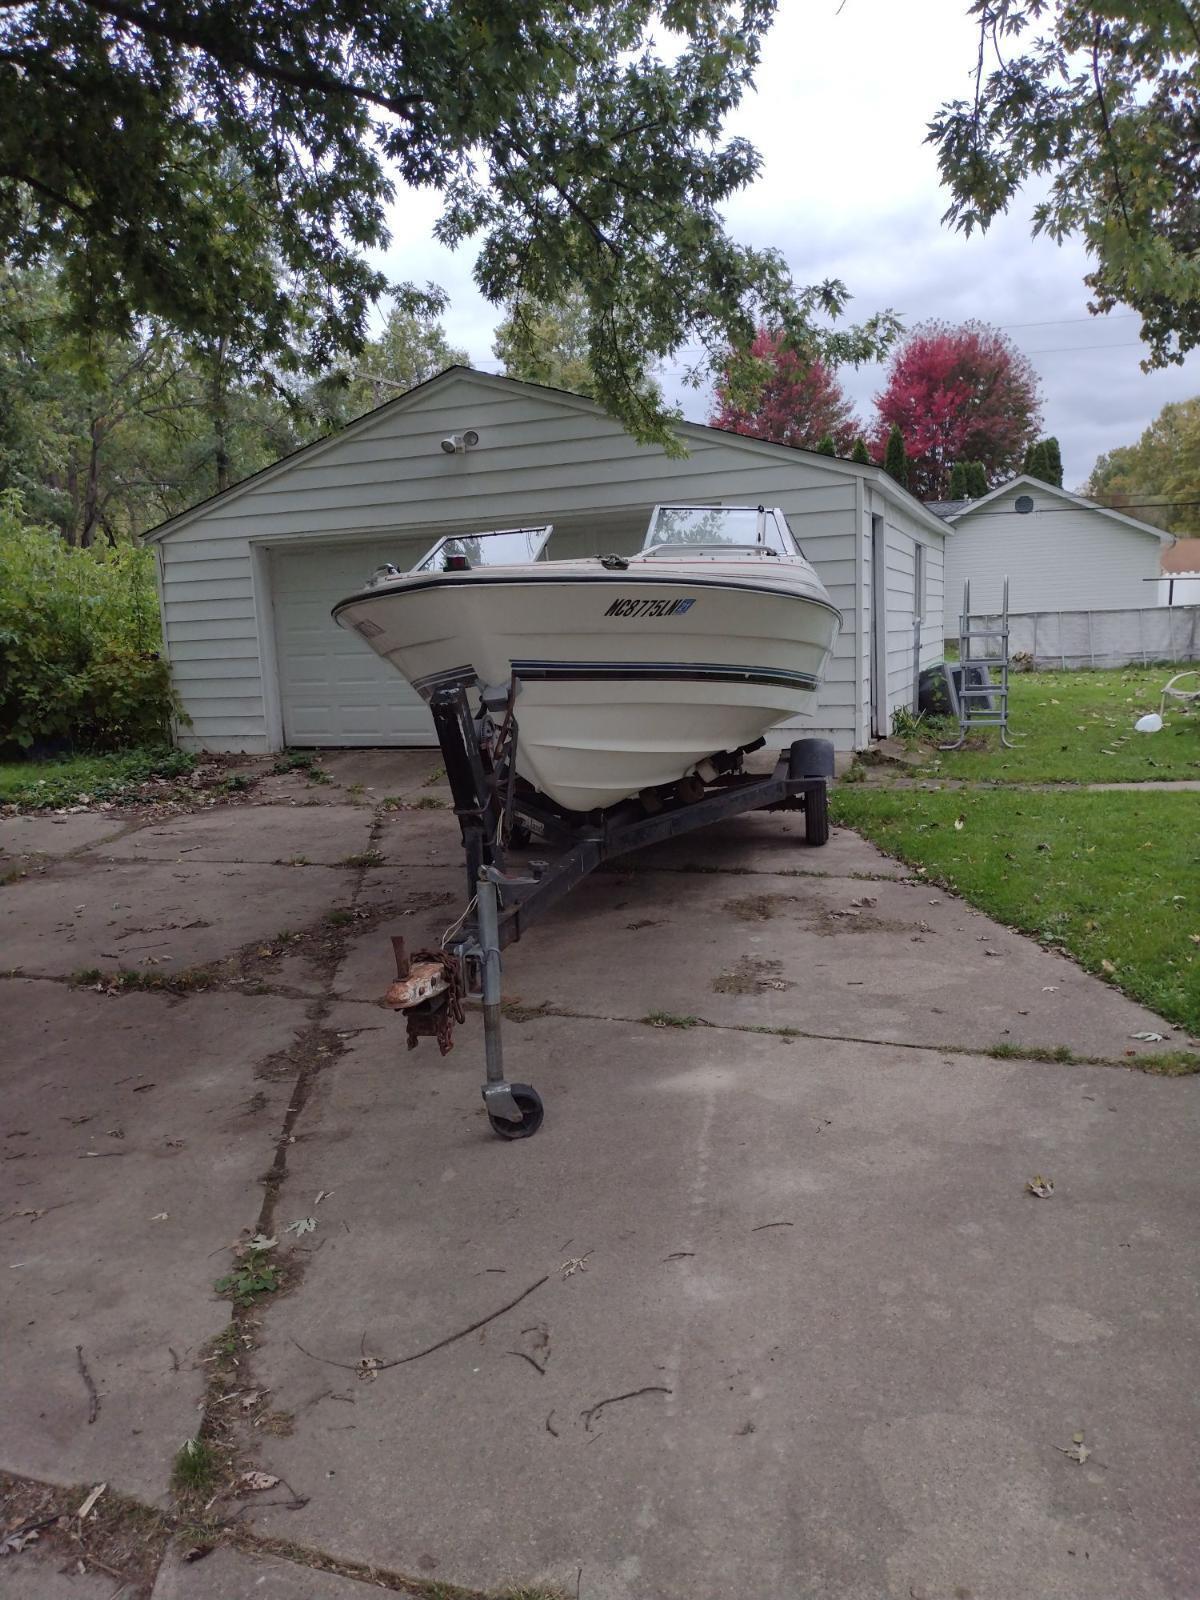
627 679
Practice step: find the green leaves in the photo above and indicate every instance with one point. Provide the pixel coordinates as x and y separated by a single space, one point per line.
79 635
224 168
1105 104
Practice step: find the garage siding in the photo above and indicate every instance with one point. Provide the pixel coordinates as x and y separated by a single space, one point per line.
386 484
1059 557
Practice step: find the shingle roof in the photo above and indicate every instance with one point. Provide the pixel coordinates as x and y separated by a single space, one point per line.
1182 556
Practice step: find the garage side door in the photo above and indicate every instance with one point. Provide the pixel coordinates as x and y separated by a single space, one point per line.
333 688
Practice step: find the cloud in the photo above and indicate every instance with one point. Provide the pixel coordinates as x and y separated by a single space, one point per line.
849 189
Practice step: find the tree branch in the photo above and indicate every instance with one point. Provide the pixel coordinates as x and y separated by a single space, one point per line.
1106 125
226 53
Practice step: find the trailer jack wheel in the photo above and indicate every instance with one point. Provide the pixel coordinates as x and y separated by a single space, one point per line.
528 1103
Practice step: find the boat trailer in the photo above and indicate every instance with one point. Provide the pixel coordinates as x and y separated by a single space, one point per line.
498 812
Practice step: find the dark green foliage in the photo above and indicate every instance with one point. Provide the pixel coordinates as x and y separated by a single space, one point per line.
958 481
895 462
79 642
1043 460
1094 108
860 452
826 447
977 484
226 169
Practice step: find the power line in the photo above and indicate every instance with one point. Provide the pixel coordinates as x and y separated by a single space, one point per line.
1059 349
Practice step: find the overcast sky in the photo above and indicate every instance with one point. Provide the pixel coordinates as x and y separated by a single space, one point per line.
850 190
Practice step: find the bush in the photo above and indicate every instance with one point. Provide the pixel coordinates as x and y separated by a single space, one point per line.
79 642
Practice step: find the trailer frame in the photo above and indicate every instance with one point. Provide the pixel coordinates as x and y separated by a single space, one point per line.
499 813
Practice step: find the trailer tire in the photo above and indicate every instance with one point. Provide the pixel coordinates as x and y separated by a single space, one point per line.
529 1103
816 816
811 758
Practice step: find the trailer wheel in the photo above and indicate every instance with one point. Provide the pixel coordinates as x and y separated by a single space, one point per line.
816 816
529 1102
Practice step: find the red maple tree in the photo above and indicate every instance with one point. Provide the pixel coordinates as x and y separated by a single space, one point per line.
962 393
798 403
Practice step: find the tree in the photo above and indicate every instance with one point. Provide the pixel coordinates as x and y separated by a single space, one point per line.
977 484
826 447
411 348
958 481
1163 466
138 140
548 343
961 393
104 436
1104 105
1036 461
778 395
1054 464
895 459
860 452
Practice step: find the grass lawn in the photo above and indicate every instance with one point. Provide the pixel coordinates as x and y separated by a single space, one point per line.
38 785
1077 727
1112 879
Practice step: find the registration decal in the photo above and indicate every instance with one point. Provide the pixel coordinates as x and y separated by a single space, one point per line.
649 608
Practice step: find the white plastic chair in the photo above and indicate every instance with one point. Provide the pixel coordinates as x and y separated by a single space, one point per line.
1180 694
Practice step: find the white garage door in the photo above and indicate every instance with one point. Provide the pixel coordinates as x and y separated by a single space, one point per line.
334 689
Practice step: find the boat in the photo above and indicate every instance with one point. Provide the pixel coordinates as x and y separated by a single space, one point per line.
628 673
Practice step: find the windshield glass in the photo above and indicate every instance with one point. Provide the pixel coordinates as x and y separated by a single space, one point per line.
502 548
700 525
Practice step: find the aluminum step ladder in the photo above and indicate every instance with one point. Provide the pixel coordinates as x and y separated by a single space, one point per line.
982 702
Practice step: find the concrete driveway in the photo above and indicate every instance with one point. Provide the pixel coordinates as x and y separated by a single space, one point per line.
766 1309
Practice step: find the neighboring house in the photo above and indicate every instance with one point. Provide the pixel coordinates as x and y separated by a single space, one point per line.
247 579
1180 581
1059 552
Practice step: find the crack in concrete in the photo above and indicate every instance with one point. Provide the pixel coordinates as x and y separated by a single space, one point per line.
127 1539
1042 1054
229 1369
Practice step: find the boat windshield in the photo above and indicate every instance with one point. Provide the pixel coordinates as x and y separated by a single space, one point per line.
501 547
748 527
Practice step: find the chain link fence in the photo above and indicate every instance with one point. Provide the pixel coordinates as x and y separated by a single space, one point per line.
1068 639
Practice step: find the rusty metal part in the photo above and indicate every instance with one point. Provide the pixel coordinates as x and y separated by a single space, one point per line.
428 989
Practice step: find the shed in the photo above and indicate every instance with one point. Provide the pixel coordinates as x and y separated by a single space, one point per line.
1059 552
247 578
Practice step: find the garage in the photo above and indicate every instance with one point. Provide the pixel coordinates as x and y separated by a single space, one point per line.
248 578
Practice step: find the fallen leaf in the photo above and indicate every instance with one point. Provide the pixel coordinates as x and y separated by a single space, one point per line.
87 1505
1042 1187
1049 988
261 1242
322 1194
1076 1450
160 1216
866 900
301 1226
960 823
367 1368
249 1401
255 1481
12 1544
1148 1037
1107 966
